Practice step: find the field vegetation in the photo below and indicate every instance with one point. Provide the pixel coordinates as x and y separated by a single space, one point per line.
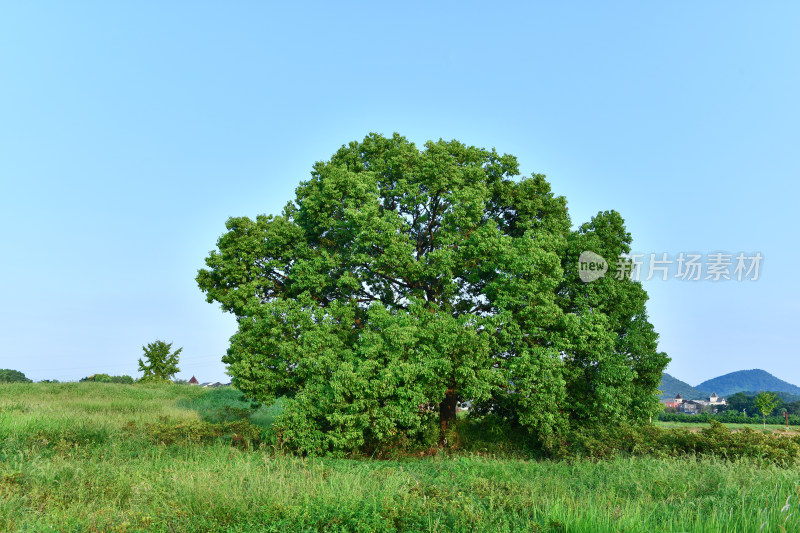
757 426
114 457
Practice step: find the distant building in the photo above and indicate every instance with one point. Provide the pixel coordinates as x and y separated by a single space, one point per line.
694 406
194 381
716 400
674 403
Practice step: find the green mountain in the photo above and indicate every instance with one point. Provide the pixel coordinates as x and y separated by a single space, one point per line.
670 386
746 381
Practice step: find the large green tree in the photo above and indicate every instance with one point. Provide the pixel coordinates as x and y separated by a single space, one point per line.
401 282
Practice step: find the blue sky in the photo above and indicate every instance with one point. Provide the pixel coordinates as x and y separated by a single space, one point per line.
130 132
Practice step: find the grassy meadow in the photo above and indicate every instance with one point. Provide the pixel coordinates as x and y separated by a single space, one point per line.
107 457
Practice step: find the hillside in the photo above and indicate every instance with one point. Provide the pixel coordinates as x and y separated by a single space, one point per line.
746 381
670 386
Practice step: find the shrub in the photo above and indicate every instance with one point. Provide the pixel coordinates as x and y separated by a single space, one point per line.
241 433
717 440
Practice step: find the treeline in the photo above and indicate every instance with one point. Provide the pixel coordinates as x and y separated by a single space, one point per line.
105 378
745 402
15 376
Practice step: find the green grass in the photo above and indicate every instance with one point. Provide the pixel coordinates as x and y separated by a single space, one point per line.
87 457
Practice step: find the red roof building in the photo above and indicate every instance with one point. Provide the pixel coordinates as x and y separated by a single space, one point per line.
674 403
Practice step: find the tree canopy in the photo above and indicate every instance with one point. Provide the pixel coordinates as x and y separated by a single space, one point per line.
12 376
401 282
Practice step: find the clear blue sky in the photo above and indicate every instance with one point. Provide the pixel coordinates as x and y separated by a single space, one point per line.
130 132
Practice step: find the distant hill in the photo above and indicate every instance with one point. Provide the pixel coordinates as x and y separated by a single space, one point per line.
746 381
670 386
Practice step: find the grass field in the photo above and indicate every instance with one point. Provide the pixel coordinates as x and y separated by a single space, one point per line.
104 457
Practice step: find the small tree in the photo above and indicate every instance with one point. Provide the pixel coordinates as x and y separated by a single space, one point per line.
161 364
766 402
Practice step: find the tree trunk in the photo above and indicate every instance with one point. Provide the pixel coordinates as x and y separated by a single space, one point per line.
447 411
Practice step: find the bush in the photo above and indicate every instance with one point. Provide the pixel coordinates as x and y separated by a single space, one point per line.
495 436
241 433
302 427
717 440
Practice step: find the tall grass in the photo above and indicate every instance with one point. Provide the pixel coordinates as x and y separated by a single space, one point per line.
83 457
